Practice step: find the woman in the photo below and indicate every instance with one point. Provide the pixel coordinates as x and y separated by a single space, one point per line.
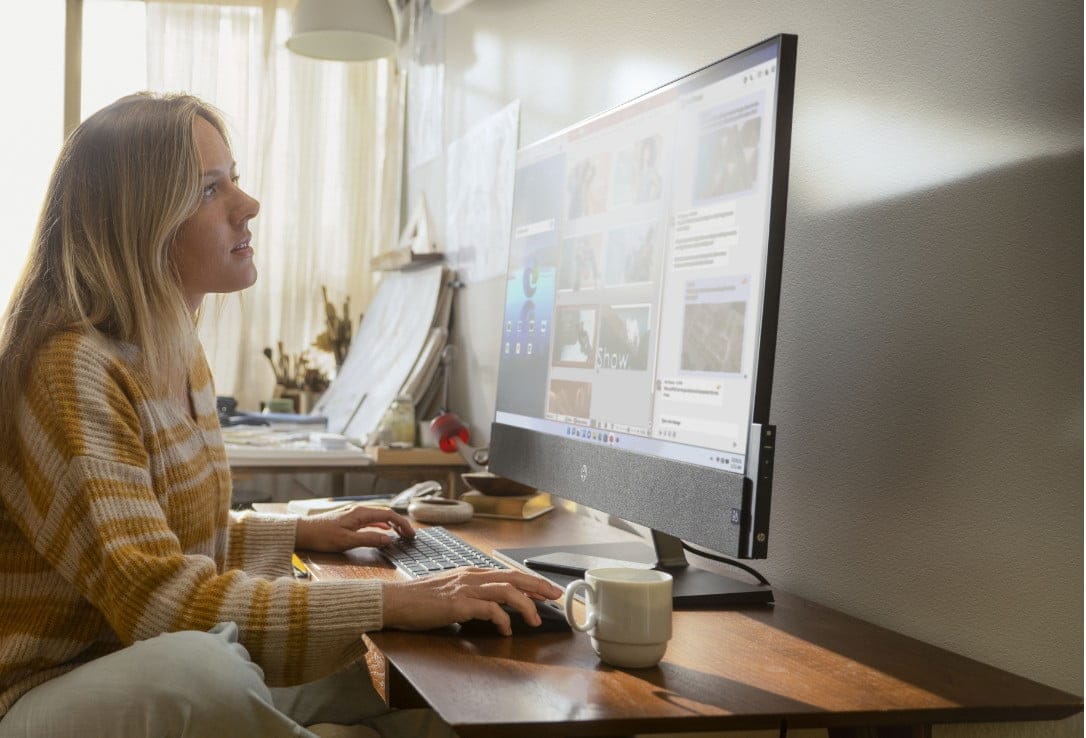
131 601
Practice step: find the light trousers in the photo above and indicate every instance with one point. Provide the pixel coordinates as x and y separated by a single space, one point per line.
204 685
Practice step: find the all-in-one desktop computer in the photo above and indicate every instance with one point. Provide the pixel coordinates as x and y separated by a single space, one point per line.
640 315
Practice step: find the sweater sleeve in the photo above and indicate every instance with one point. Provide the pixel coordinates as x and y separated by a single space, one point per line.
261 543
89 505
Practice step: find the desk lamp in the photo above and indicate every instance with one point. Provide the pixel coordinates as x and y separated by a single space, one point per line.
453 435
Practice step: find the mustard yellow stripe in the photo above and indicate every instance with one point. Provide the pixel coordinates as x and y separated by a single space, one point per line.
253 632
298 635
193 531
182 476
235 547
36 608
28 564
17 557
108 490
42 465
125 601
77 622
57 534
136 527
121 429
201 609
52 379
176 434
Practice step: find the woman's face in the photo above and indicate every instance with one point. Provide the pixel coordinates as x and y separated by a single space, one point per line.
212 252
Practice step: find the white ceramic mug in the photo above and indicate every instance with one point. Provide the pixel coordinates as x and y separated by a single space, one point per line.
629 614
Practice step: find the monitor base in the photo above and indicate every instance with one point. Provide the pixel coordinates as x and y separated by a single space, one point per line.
697 589
693 588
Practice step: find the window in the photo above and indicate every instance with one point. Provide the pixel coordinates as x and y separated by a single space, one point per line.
318 143
31 129
114 57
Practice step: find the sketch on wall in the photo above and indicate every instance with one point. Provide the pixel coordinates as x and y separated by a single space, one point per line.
479 170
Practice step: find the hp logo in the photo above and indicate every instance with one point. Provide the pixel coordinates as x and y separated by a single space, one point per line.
584 472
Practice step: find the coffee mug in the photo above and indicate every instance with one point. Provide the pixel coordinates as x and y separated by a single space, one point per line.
629 614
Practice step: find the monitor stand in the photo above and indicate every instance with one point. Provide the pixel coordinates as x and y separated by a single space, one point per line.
692 588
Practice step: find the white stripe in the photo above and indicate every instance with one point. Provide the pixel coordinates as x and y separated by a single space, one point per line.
237 605
91 372
160 414
77 551
183 450
138 540
48 458
116 509
47 528
89 467
83 544
160 460
206 548
18 498
213 438
203 401
171 596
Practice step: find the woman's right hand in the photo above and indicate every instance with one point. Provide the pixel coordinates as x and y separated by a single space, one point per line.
465 594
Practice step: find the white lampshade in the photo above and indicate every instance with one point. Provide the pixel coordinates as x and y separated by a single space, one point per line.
343 30
445 7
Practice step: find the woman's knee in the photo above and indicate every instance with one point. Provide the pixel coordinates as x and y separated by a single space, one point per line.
199 662
185 683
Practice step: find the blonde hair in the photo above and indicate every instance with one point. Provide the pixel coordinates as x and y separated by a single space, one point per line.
125 181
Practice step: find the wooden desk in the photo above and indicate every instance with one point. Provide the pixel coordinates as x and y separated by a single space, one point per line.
795 664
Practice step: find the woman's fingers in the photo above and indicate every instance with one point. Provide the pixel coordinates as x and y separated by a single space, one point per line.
467 594
529 584
499 603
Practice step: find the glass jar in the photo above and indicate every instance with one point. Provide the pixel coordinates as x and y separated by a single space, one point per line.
398 424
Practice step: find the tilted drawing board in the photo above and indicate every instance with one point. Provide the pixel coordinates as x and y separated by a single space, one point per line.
388 343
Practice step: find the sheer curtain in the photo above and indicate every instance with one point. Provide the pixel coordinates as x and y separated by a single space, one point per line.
318 143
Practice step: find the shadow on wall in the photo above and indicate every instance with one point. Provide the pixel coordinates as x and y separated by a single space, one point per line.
929 398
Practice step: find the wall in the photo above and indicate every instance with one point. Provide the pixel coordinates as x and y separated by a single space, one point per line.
928 390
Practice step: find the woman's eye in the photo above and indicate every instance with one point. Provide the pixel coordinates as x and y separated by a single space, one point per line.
209 191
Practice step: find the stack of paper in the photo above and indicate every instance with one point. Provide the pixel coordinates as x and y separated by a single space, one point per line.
265 446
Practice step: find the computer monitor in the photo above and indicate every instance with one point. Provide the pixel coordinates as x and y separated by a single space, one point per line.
640 317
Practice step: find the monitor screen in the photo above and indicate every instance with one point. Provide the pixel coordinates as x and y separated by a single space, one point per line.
641 303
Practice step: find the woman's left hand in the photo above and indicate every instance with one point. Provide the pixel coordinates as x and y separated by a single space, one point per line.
339 530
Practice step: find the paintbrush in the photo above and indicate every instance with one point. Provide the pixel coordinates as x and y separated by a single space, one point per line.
275 370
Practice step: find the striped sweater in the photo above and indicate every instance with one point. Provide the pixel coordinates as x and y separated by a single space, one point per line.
116 527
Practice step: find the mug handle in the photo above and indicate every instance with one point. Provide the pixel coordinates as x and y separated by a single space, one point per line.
589 600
